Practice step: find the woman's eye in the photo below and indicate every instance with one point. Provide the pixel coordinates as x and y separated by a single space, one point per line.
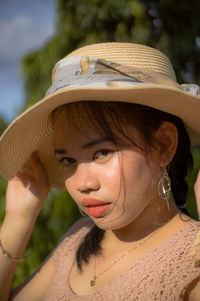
100 154
67 161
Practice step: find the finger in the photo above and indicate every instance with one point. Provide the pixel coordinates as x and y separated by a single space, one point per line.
37 165
23 177
39 169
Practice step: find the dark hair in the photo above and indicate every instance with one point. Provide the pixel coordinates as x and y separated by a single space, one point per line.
109 118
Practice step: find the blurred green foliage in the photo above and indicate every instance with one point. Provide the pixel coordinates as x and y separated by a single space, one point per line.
3 124
171 26
191 178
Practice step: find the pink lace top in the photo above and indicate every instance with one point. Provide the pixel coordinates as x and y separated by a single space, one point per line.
161 275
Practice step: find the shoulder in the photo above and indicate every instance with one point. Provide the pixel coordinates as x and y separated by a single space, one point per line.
188 229
192 235
191 232
184 242
37 285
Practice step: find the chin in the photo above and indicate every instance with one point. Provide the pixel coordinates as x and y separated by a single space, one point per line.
105 224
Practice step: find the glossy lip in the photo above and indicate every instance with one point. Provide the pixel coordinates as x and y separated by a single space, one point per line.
90 202
96 208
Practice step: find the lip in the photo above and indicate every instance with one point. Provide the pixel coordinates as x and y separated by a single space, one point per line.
87 202
96 208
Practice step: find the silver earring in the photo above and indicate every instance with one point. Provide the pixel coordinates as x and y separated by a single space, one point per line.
164 186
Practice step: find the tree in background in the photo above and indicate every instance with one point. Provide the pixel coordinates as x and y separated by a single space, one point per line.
171 26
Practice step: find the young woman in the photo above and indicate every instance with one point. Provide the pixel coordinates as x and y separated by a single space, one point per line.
114 130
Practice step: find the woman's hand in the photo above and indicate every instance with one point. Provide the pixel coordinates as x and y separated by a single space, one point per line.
25 195
197 192
24 199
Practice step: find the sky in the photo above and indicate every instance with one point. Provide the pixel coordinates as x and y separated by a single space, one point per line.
25 25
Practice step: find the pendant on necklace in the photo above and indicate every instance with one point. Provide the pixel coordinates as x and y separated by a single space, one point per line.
93 281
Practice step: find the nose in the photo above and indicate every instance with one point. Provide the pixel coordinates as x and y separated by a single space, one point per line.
86 178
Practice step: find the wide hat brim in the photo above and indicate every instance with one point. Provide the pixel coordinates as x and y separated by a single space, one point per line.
88 78
33 129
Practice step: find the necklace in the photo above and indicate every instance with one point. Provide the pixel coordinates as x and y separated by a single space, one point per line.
95 277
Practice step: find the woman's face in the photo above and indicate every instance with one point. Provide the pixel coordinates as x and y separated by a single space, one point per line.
112 184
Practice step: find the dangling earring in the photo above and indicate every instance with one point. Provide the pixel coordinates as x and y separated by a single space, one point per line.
164 187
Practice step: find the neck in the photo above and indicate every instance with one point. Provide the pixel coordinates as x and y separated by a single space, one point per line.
153 217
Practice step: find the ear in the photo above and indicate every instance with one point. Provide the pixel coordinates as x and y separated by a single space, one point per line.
167 139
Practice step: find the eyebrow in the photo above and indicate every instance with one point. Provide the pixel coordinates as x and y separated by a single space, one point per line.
62 151
59 151
95 142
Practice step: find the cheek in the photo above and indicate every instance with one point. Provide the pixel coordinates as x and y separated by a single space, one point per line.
110 173
69 185
134 167
138 178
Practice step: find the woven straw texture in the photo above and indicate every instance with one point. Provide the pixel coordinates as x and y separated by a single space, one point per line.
134 55
33 129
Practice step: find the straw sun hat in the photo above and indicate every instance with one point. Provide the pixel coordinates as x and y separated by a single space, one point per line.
102 72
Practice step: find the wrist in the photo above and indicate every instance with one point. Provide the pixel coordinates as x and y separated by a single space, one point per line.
14 235
5 253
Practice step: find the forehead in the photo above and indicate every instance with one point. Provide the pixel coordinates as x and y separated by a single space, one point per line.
75 129
78 122
102 117
79 127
